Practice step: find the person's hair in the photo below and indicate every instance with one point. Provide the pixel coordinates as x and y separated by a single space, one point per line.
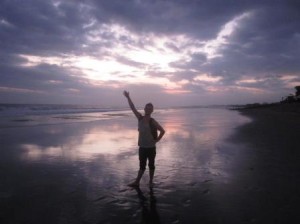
149 104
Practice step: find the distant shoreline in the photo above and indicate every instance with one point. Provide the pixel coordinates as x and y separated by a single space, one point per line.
275 107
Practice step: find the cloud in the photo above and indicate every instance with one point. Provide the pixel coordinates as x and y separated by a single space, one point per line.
75 51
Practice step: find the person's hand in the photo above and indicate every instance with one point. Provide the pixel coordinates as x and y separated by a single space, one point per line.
126 93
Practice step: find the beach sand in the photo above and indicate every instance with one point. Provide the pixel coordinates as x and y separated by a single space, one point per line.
213 166
272 182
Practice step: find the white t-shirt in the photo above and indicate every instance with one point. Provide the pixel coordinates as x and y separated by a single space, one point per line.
146 139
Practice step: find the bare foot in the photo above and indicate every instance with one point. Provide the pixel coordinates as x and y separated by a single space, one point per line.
134 184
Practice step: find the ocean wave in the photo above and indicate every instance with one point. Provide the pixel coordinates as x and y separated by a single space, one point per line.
49 109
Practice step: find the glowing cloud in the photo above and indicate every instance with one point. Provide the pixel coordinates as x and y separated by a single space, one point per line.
207 78
138 64
212 46
18 90
290 81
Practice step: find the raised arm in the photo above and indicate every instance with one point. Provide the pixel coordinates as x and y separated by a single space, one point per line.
132 107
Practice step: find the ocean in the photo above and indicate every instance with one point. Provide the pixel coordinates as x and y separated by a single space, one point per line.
16 115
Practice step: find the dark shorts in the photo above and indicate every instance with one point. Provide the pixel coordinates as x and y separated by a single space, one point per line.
147 153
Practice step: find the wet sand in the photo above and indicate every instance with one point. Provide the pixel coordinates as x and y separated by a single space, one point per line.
272 182
213 166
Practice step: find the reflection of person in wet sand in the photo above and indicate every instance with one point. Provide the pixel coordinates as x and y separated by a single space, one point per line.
149 211
148 138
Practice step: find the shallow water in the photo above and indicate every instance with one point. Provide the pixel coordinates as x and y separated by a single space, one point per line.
77 172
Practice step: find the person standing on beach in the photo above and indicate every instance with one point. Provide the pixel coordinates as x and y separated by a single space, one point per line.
147 140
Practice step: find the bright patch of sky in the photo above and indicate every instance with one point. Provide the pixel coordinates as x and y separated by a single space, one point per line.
154 55
152 52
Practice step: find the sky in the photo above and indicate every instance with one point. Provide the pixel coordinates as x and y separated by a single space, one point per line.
170 53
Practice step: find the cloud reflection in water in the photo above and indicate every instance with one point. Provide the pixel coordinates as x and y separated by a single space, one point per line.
193 139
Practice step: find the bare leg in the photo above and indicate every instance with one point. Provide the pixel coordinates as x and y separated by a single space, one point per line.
151 174
136 183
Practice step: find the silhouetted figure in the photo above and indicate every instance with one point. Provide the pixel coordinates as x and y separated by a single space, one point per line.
148 138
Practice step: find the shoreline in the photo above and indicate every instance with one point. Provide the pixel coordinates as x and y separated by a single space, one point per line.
273 107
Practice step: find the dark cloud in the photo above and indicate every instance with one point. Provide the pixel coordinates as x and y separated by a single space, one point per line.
39 27
198 60
268 42
202 19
